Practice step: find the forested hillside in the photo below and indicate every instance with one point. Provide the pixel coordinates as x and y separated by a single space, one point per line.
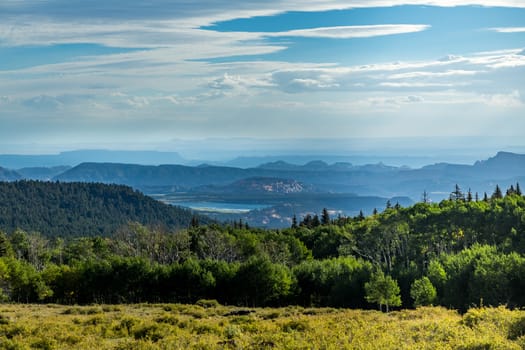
460 252
81 209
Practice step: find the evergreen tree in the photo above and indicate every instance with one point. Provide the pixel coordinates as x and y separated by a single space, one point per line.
388 204
294 221
457 195
194 221
485 197
518 189
497 193
469 195
315 221
424 197
325 217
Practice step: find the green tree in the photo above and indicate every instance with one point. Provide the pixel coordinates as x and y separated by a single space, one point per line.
260 282
325 217
457 194
382 290
423 292
497 193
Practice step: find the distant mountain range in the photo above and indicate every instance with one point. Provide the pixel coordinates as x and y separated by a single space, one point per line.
378 179
73 158
285 189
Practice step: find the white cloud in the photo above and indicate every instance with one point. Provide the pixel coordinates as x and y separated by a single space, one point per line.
414 99
423 74
138 102
192 96
347 32
4 100
418 85
509 29
510 100
43 102
231 82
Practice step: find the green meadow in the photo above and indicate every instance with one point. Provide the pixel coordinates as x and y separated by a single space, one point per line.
208 325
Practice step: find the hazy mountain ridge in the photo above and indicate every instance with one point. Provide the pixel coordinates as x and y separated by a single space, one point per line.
374 179
73 158
42 173
9 175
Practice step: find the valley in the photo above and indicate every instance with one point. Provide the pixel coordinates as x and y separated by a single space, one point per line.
270 194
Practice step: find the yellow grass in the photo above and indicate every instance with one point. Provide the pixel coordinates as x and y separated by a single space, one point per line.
175 326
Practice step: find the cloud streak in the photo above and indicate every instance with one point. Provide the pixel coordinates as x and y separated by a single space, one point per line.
185 78
509 30
350 32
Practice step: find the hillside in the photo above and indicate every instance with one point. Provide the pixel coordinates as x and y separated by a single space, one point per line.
87 209
42 173
9 175
259 185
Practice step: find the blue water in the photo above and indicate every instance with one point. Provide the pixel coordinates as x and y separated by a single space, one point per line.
221 207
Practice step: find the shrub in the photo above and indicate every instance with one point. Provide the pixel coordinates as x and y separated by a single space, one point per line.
295 325
207 303
149 332
517 329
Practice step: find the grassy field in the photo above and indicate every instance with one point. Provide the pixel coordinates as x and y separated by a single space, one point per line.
211 326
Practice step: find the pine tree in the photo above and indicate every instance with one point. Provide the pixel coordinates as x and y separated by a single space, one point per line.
518 189
294 221
424 197
194 221
497 193
388 204
457 195
469 195
315 221
325 217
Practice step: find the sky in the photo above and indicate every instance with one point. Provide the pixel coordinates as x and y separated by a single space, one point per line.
162 74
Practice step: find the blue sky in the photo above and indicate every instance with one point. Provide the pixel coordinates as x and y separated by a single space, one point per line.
146 75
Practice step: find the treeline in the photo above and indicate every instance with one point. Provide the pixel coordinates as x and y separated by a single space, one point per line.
82 209
457 253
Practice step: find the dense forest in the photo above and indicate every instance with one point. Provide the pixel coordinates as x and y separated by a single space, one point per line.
461 252
57 209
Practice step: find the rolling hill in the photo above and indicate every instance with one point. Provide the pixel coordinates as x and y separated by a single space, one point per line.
82 209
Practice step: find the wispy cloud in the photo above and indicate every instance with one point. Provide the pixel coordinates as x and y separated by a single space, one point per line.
172 83
348 32
508 29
